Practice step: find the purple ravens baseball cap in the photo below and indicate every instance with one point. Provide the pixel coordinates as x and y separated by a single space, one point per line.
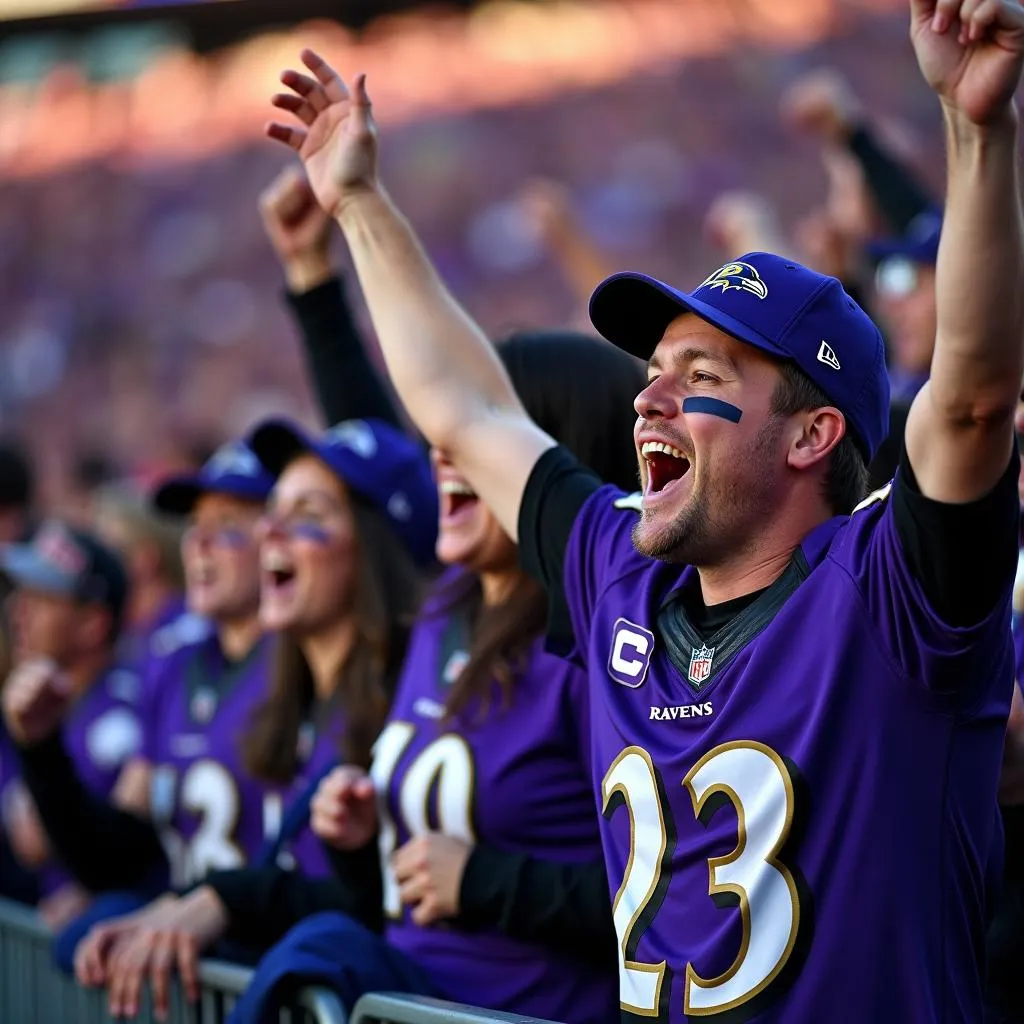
778 306
377 461
233 469
919 244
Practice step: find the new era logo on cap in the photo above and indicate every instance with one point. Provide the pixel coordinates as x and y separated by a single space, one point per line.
827 356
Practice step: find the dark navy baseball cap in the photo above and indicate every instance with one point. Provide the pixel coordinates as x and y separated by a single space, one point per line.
377 461
919 244
60 559
234 469
778 306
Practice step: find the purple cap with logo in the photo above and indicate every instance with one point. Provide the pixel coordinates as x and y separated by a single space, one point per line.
778 306
919 244
374 459
233 469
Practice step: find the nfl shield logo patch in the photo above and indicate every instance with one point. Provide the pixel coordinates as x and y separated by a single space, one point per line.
203 705
454 666
700 664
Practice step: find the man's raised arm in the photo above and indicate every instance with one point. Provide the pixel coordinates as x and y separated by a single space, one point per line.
960 429
444 369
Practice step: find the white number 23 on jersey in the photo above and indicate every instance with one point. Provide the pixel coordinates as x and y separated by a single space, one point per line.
757 783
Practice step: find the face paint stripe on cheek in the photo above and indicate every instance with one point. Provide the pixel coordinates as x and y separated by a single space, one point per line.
308 531
713 407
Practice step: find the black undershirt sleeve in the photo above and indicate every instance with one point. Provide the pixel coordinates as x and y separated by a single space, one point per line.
1013 833
264 902
964 555
347 384
900 197
563 906
103 846
557 489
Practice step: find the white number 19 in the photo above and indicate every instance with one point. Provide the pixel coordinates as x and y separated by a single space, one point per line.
756 781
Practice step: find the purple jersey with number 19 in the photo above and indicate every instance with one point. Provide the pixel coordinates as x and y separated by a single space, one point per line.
799 811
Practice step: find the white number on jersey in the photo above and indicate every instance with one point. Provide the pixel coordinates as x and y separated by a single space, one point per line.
209 791
444 767
757 783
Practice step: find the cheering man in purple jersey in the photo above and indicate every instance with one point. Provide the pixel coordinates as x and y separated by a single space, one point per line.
796 712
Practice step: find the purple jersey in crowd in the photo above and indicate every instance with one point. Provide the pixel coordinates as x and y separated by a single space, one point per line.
1018 645
103 731
799 811
515 779
133 648
211 813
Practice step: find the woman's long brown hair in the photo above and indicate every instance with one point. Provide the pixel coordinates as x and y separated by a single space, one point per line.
580 391
385 592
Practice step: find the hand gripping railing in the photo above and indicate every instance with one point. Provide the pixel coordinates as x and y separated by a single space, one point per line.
33 991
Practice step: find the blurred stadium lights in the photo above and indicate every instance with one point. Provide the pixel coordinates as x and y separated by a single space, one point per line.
115 39
133 88
207 24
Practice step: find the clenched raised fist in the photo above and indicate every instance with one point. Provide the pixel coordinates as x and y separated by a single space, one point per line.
971 52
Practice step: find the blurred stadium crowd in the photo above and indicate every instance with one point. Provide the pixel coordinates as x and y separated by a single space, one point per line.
209 596
192 285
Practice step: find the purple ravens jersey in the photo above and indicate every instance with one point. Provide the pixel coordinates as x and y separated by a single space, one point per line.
513 777
798 811
212 814
1018 645
133 648
8 765
319 751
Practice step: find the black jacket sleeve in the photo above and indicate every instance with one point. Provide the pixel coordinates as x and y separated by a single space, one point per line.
347 384
563 906
964 555
103 846
899 196
263 903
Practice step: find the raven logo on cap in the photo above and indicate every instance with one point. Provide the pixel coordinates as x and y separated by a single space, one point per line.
356 435
233 459
741 276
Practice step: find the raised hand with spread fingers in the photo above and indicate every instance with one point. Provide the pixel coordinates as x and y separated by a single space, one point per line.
338 140
443 366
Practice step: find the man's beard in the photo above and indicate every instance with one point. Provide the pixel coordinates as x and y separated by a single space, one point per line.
685 540
717 521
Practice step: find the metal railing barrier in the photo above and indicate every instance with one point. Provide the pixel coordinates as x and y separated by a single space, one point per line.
34 991
395 1008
